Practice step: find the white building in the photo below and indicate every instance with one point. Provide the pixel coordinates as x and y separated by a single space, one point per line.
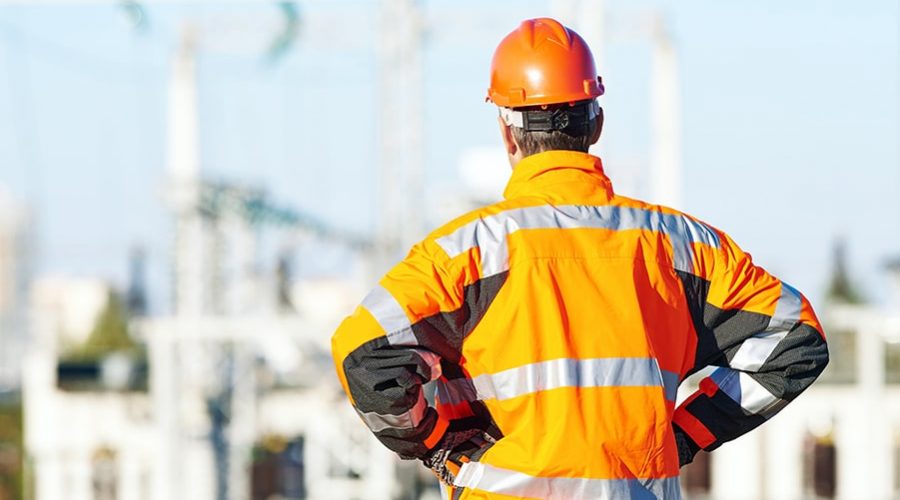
71 438
96 441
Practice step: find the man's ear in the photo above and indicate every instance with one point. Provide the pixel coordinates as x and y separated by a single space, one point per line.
598 128
508 140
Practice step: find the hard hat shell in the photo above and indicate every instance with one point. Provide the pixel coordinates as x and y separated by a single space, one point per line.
542 62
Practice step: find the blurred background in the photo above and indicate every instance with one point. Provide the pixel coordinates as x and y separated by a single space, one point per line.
193 195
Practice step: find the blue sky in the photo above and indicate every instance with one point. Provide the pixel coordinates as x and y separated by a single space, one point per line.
791 120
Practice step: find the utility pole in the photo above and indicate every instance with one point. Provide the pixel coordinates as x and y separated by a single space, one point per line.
400 195
187 277
666 122
184 179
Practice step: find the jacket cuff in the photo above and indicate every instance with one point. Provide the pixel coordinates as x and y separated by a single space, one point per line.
440 428
687 448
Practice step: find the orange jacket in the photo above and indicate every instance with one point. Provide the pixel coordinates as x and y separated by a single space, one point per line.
561 322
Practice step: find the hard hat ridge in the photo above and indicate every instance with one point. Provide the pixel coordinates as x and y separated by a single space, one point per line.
557 32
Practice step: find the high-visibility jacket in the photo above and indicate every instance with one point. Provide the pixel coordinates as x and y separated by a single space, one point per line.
562 321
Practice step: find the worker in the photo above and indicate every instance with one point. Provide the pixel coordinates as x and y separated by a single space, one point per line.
557 325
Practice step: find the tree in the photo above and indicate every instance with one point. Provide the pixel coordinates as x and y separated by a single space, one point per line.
841 288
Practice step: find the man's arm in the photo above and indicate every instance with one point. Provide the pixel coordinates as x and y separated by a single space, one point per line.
379 361
764 337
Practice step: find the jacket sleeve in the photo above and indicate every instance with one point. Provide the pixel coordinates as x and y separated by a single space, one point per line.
764 339
381 364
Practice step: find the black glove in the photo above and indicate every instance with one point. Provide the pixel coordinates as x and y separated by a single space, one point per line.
687 448
452 447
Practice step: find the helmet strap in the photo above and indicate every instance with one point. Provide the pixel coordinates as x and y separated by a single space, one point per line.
573 119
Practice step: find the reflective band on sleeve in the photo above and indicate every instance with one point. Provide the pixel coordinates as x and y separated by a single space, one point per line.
787 311
390 315
483 477
406 420
489 233
754 351
749 393
557 373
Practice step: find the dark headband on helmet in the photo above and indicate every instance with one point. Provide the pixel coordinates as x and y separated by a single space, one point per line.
573 119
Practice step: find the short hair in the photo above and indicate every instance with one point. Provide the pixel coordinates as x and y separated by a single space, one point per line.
534 141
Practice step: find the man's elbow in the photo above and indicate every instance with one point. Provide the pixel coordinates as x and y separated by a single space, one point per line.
813 355
819 354
825 357
796 363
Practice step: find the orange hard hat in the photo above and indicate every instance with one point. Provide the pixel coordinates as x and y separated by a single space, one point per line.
542 62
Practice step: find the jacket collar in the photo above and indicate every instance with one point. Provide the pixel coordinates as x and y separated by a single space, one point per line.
570 174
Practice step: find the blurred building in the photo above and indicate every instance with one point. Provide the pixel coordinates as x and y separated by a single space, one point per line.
83 439
235 407
15 270
232 396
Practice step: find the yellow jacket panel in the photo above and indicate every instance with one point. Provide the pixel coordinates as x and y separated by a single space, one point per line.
561 322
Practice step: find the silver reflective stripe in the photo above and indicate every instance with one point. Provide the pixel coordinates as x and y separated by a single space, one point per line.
390 315
406 420
566 372
671 381
557 373
747 392
489 233
787 311
484 477
755 350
